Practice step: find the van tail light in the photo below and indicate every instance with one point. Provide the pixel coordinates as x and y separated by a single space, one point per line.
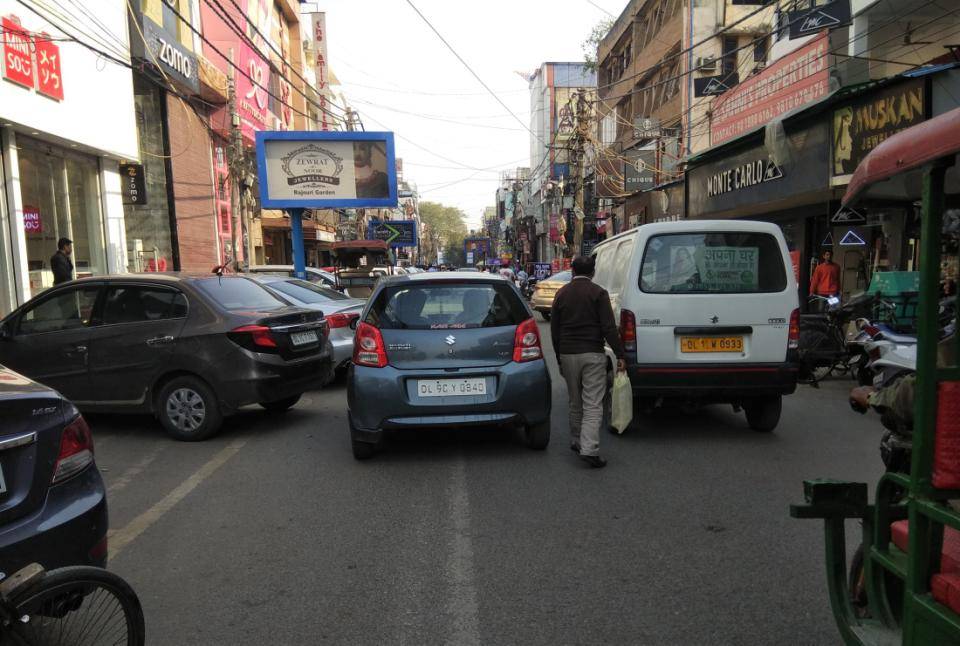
793 338
368 347
258 338
340 320
628 330
76 450
526 342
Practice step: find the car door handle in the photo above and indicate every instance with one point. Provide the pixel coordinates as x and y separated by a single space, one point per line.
160 340
77 349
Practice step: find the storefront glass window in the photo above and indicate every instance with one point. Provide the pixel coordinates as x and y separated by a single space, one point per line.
149 245
61 199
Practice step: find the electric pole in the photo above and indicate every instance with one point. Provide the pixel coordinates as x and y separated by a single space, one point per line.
580 139
234 163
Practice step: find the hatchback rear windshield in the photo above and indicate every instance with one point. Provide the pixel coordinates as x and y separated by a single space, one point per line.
713 263
446 306
238 294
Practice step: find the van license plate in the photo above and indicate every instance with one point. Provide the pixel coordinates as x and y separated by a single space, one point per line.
303 338
451 387
711 344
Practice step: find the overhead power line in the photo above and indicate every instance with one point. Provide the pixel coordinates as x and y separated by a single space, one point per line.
470 69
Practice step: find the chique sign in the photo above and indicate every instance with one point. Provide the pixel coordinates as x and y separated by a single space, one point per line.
326 169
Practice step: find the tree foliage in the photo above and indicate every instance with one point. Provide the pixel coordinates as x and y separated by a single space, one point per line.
592 43
446 223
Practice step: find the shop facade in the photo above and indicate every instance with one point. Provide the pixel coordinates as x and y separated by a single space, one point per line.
67 122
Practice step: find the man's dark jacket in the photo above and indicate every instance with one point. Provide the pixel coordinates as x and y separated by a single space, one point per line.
581 319
62 267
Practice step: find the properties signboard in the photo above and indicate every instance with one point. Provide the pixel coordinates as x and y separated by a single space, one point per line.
797 79
322 170
862 125
396 233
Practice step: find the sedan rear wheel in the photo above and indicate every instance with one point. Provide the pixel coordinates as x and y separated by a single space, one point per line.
188 409
538 436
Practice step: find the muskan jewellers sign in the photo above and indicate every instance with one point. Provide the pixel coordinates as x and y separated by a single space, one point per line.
326 169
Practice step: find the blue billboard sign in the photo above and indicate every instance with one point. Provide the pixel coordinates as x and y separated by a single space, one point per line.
396 233
324 170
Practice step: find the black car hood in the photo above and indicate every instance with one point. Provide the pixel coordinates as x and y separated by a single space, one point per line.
13 385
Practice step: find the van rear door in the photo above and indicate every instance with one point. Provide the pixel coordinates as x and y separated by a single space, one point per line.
714 296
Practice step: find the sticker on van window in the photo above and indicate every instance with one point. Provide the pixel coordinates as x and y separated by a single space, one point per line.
656 244
729 269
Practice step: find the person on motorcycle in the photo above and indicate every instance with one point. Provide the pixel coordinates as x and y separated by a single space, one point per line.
894 402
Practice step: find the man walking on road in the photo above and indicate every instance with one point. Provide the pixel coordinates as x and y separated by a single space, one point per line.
582 320
60 262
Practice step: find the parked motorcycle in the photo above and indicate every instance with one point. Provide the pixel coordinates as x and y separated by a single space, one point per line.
823 339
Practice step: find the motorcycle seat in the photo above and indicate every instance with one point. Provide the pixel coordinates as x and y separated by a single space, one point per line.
890 335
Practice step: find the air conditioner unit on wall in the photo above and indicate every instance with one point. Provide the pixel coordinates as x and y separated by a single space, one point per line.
707 64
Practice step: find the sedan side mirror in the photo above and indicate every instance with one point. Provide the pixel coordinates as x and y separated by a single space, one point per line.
354 322
6 332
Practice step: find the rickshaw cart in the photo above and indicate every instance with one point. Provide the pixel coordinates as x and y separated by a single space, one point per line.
360 264
911 542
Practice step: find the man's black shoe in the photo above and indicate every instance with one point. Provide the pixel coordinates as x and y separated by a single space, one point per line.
575 448
594 461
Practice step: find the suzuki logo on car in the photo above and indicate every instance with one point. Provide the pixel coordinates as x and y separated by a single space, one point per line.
714 319
450 339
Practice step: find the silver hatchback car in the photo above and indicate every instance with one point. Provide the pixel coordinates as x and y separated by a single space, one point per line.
446 350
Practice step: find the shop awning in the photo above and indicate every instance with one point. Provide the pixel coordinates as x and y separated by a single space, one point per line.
912 148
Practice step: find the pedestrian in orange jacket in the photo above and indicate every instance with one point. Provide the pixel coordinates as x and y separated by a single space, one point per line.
826 277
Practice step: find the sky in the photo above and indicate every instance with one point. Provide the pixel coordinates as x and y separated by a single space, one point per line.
400 77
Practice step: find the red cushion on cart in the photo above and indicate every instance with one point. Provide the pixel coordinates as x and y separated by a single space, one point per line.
949 558
946 590
946 454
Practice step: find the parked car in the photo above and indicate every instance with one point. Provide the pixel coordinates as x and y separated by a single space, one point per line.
546 290
314 275
446 350
189 349
53 505
708 313
340 311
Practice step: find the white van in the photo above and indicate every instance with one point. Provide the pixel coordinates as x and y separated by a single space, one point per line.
708 313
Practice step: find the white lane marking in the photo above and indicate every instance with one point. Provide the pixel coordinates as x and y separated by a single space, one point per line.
120 483
462 605
124 536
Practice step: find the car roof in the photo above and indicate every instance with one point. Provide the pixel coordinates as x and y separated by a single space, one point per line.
435 276
256 268
686 226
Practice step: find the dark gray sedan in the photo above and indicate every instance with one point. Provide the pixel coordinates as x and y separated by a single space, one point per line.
447 350
53 506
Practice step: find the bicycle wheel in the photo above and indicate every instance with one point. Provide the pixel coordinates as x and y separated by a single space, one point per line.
80 606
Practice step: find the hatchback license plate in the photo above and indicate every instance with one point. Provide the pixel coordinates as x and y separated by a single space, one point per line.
451 387
711 344
303 338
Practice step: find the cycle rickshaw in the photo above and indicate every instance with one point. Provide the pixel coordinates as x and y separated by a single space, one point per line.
911 532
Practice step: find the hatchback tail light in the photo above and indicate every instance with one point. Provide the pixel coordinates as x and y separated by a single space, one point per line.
258 338
628 330
526 342
76 450
340 320
793 337
368 347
